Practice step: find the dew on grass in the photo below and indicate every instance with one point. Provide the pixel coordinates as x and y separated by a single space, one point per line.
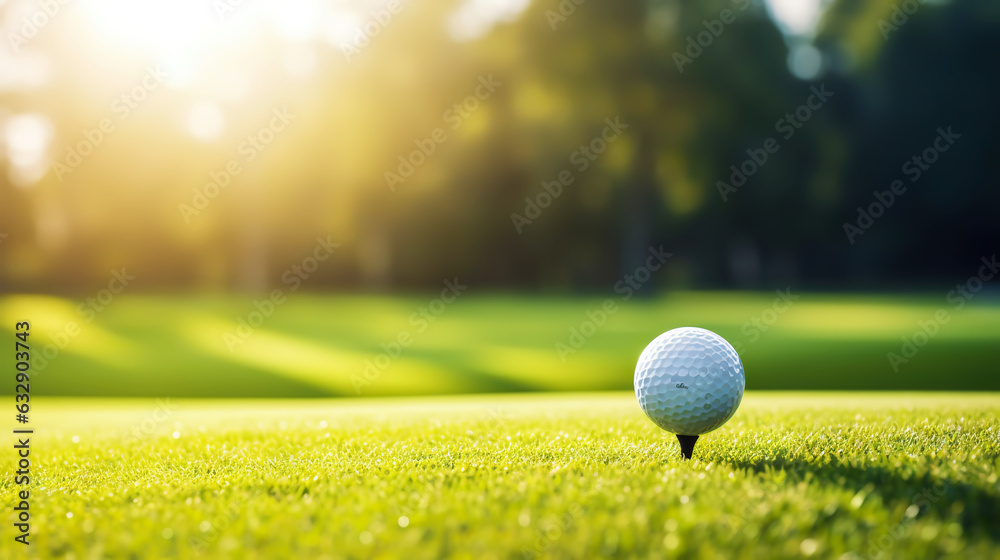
265 471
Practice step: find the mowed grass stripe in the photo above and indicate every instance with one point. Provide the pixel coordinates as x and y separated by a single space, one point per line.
345 345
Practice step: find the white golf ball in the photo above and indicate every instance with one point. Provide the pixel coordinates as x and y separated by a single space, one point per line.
689 381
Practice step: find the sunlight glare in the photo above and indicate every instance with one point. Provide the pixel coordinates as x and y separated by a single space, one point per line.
475 18
205 121
299 60
796 17
27 138
176 33
342 27
161 25
297 20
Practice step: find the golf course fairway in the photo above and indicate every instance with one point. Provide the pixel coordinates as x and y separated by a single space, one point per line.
826 475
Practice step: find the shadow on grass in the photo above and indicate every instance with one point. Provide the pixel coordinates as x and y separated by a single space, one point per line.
976 508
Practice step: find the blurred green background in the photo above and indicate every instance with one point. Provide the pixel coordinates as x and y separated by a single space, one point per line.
169 165
321 345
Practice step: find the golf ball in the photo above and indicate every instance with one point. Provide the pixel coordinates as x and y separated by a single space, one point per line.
689 381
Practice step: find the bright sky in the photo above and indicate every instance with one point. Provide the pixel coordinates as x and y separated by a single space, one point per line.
178 33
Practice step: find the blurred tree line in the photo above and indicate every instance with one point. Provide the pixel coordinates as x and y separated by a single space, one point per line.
416 153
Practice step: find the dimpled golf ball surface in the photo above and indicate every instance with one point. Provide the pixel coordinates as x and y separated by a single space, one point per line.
689 381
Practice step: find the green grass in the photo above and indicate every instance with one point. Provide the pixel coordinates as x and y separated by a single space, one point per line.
519 476
317 346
